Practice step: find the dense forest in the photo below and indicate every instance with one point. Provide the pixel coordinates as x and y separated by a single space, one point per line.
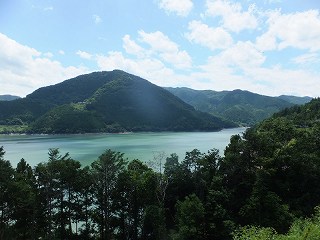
265 187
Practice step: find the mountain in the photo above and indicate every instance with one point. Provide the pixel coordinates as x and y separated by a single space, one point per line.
8 97
28 109
243 107
106 101
295 100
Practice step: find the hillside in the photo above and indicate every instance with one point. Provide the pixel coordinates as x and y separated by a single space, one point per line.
36 104
243 107
8 97
276 167
105 101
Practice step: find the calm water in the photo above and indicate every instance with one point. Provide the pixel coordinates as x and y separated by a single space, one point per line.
86 148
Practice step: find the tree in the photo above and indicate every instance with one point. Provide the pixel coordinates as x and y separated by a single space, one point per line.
190 219
142 192
54 183
24 201
83 203
6 178
105 172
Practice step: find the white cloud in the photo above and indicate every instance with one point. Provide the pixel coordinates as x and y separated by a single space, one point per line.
307 58
84 55
279 81
213 38
233 18
132 47
242 66
180 7
242 54
168 50
273 81
298 30
61 52
158 41
48 54
97 19
24 69
273 1
149 68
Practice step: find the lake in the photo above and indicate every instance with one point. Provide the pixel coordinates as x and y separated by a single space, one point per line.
87 147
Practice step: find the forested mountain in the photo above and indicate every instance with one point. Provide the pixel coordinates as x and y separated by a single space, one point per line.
8 97
242 107
265 187
295 100
105 101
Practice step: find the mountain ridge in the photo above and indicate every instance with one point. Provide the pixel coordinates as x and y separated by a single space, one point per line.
112 101
8 97
240 106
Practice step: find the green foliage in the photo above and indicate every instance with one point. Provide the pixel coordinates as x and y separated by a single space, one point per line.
105 172
308 229
71 118
190 218
15 129
6 189
255 233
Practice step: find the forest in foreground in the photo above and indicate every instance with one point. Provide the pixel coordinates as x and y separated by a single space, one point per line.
265 187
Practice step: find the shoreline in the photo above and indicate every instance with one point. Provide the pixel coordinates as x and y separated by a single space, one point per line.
116 133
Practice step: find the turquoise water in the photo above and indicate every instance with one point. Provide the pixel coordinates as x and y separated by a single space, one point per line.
87 147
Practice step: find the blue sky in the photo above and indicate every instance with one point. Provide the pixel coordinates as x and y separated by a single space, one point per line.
271 47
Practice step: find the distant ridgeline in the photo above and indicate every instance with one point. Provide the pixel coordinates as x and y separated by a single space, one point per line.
104 102
8 97
242 107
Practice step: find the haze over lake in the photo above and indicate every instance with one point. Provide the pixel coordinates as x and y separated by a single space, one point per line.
87 147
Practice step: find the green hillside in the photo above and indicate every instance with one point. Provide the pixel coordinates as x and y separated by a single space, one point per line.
28 109
276 168
243 107
105 101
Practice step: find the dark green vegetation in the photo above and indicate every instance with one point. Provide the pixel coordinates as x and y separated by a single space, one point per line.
8 97
105 102
265 187
242 107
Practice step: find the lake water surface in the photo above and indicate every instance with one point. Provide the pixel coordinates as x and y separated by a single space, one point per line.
87 147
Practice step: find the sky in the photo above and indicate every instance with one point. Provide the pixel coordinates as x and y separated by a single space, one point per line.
270 47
